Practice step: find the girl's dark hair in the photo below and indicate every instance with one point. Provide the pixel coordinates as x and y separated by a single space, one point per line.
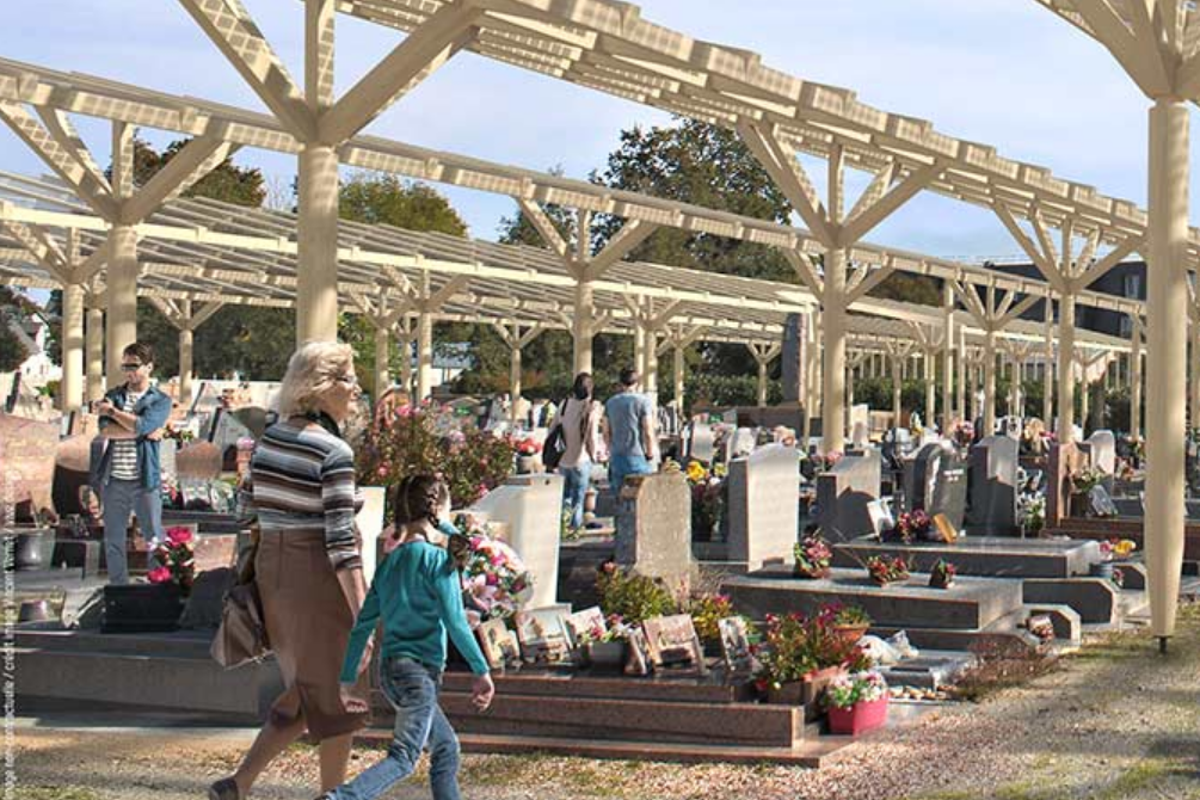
418 497
583 387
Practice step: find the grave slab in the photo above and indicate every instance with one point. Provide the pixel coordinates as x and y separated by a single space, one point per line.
843 494
983 556
1096 599
972 604
762 524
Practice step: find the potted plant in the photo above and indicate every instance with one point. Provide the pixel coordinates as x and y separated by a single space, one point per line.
813 557
1032 513
858 702
1111 549
942 574
706 611
887 569
799 656
1082 483
850 623
527 451
707 489
605 648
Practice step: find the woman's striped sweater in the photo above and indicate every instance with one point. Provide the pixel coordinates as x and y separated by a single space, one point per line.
303 478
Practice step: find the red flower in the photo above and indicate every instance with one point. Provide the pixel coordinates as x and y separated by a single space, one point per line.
159 575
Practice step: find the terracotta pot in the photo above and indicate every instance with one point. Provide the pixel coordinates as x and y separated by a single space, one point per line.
859 718
850 634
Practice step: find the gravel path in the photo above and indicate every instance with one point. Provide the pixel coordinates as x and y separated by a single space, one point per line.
1116 721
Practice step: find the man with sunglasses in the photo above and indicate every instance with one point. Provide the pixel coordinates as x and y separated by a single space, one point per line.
132 417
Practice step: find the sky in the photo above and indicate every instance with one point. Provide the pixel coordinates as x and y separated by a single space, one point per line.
1006 73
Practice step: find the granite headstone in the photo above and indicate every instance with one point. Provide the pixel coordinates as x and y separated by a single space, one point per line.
993 487
843 493
531 507
654 527
762 523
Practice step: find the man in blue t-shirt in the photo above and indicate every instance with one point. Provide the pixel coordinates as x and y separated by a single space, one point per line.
629 432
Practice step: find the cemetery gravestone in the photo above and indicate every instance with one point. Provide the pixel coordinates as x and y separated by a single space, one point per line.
762 523
1104 451
531 505
993 487
843 494
701 445
198 461
27 454
653 527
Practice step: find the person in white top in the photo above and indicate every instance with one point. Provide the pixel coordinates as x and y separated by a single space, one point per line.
580 421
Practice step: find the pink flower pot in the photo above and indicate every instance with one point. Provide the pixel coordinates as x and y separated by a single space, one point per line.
859 718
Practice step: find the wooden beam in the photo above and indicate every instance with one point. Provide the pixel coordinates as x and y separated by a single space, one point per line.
806 272
1050 268
1020 308
632 233
424 50
887 205
544 226
241 42
197 158
868 283
1102 267
791 179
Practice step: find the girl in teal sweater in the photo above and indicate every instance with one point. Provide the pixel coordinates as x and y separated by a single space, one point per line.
418 594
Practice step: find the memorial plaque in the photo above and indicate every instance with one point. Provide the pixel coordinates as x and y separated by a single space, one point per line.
672 640
735 645
1103 446
198 461
499 644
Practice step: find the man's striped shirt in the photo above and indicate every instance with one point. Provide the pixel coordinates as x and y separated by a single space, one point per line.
124 451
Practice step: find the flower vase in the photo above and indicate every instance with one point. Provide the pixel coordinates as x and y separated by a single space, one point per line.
1077 505
1101 569
859 718
939 580
526 464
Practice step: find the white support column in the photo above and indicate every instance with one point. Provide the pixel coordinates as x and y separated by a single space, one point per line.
678 366
95 353
989 382
833 322
1135 380
1194 374
121 293
960 403
639 350
404 339
929 361
514 380
72 336
650 381
897 408
1066 371
949 342
425 356
1166 318
383 375
1048 370
317 262
1085 403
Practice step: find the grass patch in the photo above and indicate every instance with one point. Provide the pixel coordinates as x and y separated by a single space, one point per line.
55 793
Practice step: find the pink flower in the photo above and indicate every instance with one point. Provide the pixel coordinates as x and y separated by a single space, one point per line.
382 471
159 575
178 536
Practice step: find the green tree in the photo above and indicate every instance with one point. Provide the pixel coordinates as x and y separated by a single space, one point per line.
387 200
243 186
376 199
14 308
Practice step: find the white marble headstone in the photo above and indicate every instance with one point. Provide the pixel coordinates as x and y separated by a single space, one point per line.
531 505
1104 451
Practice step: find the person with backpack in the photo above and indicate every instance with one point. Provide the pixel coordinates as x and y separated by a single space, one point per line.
578 423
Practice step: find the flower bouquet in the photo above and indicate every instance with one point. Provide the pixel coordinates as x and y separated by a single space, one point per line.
964 433
813 557
798 657
495 580
858 702
708 491
850 623
887 569
942 574
176 560
527 447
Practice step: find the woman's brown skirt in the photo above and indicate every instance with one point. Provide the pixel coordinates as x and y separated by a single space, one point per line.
308 623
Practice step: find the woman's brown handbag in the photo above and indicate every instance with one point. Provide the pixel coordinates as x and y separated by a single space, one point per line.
242 637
